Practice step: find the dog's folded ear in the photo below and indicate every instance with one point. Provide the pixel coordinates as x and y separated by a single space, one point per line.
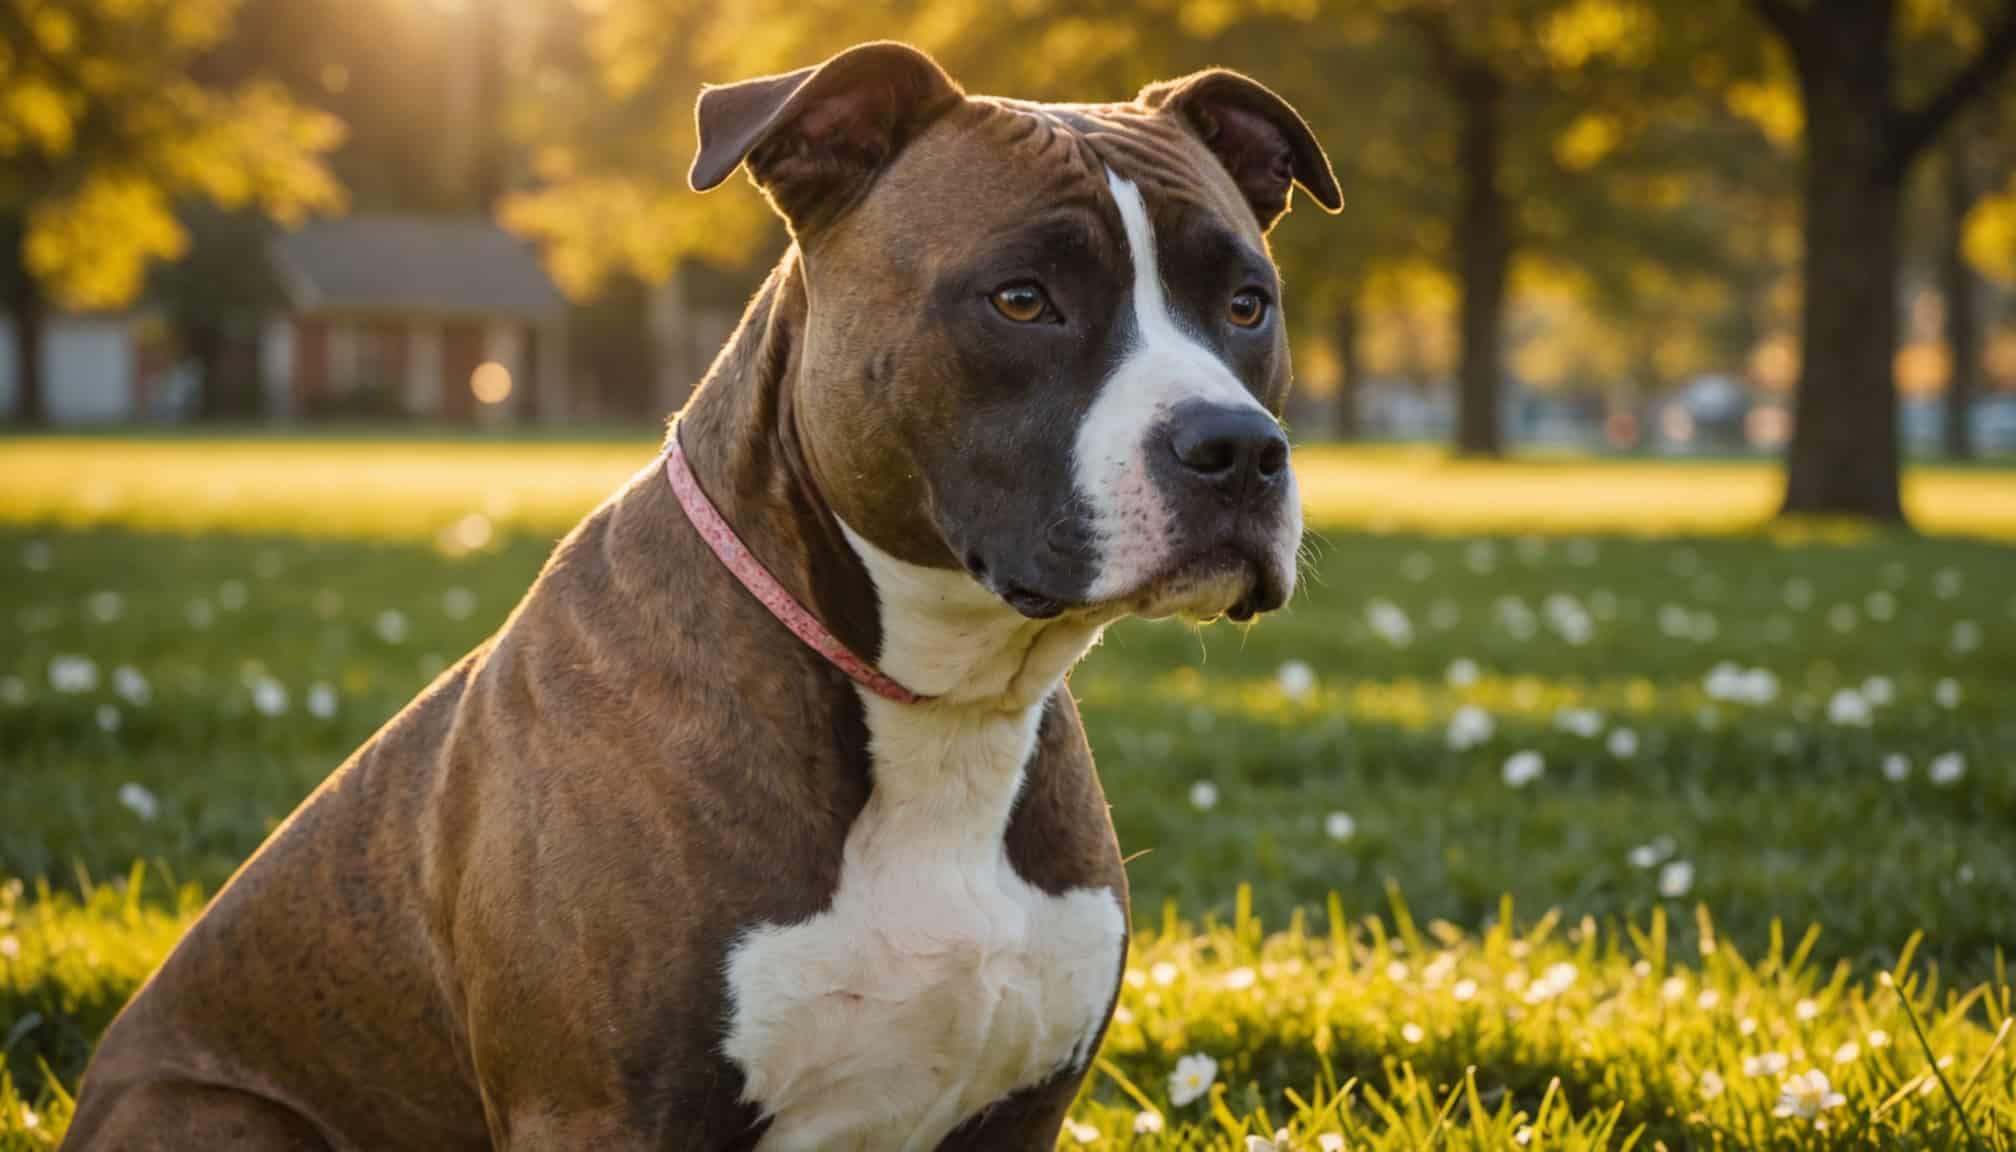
814 138
1259 138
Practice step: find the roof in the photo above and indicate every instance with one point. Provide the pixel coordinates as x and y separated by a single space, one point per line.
451 265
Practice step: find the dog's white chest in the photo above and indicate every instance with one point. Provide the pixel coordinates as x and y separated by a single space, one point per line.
937 982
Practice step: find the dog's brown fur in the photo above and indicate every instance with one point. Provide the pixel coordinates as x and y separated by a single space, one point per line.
504 920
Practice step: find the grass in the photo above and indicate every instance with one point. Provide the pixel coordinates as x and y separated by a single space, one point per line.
271 603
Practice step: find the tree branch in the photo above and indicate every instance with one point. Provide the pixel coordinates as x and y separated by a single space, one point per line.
1912 130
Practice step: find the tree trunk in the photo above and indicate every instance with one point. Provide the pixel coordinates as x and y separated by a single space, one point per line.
1957 286
31 314
1344 422
1843 457
1484 253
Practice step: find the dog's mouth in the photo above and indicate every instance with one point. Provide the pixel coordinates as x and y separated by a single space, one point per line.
1223 581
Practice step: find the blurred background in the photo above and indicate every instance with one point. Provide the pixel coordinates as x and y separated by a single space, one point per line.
1572 224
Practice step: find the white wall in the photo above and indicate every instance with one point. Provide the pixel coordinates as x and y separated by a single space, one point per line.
87 366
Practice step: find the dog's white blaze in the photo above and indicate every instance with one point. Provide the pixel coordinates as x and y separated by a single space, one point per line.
1164 368
938 981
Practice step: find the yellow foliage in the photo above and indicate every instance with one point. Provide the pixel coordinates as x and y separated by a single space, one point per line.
40 117
91 248
1587 141
1774 108
1991 235
1588 29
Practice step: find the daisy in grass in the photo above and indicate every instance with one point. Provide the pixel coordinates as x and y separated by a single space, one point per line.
1192 1078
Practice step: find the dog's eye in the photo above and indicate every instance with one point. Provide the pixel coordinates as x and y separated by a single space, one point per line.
1247 308
1022 302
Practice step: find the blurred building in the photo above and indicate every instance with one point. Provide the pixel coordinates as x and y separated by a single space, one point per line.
99 368
407 316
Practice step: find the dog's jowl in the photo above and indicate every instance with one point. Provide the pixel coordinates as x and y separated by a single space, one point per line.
767 820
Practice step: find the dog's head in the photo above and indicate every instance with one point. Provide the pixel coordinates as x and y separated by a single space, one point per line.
1044 342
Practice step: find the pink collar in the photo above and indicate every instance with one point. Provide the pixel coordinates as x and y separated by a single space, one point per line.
743 564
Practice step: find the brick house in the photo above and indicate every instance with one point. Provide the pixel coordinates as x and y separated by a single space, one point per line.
432 318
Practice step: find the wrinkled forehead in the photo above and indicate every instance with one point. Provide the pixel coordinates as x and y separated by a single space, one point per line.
992 166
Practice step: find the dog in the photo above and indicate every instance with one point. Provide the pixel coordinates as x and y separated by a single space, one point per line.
767 819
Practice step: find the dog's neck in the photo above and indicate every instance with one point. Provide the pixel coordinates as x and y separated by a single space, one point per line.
936 631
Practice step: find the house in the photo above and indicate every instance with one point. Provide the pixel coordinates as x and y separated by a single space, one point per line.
97 368
434 318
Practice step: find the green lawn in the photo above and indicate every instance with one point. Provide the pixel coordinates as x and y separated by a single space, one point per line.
1625 734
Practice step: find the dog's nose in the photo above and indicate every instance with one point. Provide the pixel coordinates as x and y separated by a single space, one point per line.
1236 450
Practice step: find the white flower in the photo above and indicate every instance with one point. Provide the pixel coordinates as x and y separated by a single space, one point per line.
1646 856
1240 979
1896 767
1849 709
13 691
1622 743
1147 1123
1798 594
391 626
1481 556
1880 605
1412 1033
1192 1078
1296 679
10 946
1765 1064
321 701
1469 726
1676 879
1747 1026
107 607
1463 672
1389 622
1711 1084
73 675
1203 795
1330 1142
1946 693
1163 973
1675 621
1522 768
1878 690
1582 722
131 686
1878 1038
269 696
1082 1133
1279 1143
1464 990
1947 768
108 718
36 556
1523 1136
458 603
1946 583
1807 1095
199 614
1339 826
1417 566
1672 989
1847 1053
231 595
1707 1000
139 801
1805 1010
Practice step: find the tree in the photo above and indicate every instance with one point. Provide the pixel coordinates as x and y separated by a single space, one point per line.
1549 99
1860 142
1956 285
105 132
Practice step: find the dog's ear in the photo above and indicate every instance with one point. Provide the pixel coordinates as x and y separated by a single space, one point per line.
815 138
1259 138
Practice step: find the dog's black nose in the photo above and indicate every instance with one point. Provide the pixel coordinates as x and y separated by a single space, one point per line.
1238 450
